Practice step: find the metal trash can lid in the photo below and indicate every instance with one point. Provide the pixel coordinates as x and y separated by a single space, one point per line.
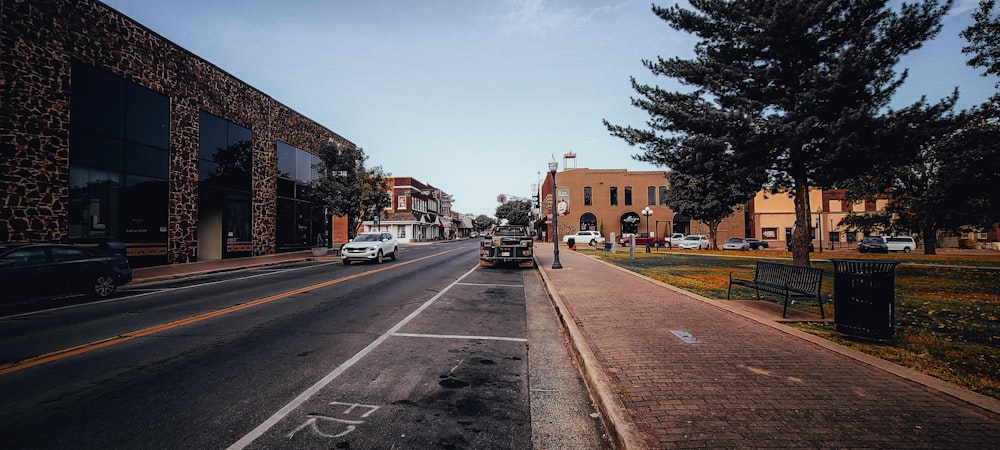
863 266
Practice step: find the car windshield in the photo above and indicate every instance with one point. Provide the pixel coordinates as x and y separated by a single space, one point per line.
691 238
367 238
734 240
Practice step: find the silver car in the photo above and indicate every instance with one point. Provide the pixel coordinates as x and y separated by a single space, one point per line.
736 244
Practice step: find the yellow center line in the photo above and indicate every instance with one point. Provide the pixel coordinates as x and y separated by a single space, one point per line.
125 337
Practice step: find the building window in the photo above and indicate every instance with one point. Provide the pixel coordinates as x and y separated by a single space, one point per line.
401 231
651 195
614 195
225 155
118 162
588 199
298 221
401 202
628 195
663 196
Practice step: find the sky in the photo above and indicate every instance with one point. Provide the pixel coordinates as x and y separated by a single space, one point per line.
476 97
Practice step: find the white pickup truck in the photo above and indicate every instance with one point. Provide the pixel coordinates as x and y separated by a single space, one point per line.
674 239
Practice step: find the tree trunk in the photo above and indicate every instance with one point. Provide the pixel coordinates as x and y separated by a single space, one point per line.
930 239
801 238
713 233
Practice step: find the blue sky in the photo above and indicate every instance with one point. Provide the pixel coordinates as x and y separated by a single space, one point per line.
473 96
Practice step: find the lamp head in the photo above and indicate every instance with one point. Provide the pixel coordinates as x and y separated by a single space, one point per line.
553 167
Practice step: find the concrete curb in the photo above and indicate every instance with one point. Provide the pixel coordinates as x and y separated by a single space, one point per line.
619 424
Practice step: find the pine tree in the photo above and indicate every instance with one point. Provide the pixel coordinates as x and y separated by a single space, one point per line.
792 90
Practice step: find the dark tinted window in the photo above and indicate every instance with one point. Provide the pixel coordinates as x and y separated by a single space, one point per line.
211 135
97 100
118 130
96 150
148 120
145 160
286 160
60 254
26 256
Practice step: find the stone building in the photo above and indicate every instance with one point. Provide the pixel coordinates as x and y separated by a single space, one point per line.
110 132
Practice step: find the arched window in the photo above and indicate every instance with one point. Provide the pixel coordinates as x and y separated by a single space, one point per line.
588 222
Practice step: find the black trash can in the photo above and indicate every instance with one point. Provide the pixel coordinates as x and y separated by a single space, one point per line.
864 298
571 242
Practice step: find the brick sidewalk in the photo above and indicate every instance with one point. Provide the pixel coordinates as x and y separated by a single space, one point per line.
748 382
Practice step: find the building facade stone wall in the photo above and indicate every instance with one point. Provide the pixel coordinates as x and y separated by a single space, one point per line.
38 42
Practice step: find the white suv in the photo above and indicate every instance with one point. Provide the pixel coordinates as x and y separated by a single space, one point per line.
904 244
370 246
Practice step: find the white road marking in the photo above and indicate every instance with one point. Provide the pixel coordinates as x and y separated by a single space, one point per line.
323 382
493 285
457 336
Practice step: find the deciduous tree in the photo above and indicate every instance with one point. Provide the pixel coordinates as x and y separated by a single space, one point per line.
516 212
345 187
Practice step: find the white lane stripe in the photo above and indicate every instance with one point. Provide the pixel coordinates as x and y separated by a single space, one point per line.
493 284
323 382
456 336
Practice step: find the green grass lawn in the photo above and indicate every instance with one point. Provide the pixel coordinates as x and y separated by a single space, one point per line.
947 306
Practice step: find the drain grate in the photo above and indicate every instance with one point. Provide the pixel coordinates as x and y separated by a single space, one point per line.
688 338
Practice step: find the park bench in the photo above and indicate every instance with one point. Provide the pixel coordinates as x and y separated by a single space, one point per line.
787 280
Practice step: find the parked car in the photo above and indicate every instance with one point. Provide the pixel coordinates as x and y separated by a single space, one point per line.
873 245
756 244
736 244
904 244
694 242
36 270
675 239
788 247
474 234
370 246
641 239
591 238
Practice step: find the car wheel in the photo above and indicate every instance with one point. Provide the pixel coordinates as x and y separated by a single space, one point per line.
104 286
378 257
906 249
394 254
656 245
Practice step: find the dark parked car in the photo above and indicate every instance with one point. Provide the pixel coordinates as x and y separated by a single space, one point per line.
36 270
873 245
756 244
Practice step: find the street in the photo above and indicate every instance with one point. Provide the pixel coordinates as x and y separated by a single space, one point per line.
429 351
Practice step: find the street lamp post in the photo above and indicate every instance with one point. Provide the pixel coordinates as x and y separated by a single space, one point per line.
819 229
553 167
647 212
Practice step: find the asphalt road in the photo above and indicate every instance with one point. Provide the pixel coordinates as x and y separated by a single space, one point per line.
429 351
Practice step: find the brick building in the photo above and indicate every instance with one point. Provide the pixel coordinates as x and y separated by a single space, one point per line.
419 212
612 201
110 132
